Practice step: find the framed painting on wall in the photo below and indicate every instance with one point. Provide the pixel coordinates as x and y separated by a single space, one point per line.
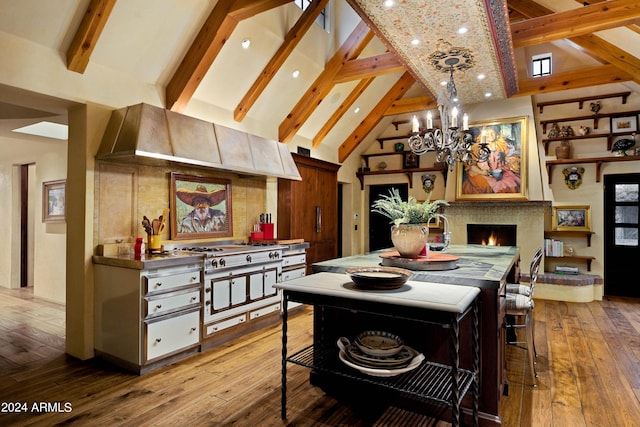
200 207
624 124
571 218
53 201
498 169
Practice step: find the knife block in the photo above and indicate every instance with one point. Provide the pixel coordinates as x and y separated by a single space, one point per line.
267 229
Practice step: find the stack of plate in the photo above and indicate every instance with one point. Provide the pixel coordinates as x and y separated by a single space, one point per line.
379 353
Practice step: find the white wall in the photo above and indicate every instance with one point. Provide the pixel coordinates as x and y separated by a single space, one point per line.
49 160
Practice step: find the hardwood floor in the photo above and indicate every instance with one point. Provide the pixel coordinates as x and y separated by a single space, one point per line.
588 365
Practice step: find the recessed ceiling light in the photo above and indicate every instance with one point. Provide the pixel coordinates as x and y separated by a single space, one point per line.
46 129
488 95
295 74
463 30
481 76
443 83
357 110
388 3
415 42
246 43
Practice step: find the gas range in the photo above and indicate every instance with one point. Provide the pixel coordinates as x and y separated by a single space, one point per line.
225 255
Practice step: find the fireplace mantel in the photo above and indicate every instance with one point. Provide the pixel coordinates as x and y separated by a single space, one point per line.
500 203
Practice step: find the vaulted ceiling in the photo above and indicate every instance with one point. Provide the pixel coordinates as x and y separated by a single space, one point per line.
190 50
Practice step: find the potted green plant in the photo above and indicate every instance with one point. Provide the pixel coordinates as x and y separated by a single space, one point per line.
410 231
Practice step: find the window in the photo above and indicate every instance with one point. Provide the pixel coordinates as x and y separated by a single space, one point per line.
541 65
321 19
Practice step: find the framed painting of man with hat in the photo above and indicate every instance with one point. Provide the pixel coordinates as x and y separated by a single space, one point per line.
200 207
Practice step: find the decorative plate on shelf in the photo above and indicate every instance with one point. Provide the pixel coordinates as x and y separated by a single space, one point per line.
372 365
379 343
379 277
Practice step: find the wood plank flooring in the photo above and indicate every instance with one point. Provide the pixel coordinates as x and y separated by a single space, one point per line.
588 365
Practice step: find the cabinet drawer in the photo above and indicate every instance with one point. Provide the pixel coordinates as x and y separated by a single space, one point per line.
163 337
293 260
293 274
166 282
167 303
224 324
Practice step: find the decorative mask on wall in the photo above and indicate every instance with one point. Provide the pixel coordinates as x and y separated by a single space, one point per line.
428 181
573 177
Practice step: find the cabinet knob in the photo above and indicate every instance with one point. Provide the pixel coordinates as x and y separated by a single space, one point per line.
193 329
194 298
158 284
158 307
194 278
158 340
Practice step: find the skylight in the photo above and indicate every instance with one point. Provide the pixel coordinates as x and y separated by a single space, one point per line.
46 129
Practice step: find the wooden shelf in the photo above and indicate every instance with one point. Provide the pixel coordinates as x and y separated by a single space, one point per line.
574 258
408 172
597 160
580 101
609 136
563 233
381 141
595 117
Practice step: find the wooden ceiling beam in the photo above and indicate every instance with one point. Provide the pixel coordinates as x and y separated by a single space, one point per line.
372 66
593 45
88 33
373 118
215 32
350 49
341 110
575 22
585 77
291 40
411 105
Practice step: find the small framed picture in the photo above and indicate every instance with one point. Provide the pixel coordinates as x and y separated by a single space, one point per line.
53 201
571 218
624 124
410 160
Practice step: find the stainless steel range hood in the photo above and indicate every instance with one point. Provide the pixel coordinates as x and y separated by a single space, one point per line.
145 134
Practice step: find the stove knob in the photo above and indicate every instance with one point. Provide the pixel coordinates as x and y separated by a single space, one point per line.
248 258
222 262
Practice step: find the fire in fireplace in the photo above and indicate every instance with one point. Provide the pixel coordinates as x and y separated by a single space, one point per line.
492 234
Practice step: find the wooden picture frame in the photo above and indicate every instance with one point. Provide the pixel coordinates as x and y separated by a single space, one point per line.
54 206
200 207
625 124
502 174
410 160
571 218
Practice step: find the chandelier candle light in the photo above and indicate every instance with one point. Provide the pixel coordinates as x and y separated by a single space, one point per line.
451 143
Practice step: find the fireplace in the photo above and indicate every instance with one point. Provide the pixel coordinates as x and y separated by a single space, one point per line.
492 234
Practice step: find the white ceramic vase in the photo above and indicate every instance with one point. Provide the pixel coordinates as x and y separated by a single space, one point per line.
409 239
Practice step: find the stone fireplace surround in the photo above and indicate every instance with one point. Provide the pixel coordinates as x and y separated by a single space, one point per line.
530 218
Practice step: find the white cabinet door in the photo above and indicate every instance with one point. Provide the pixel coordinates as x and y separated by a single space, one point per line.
221 294
238 290
270 279
256 286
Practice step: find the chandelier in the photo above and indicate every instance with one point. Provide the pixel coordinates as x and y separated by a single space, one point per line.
452 142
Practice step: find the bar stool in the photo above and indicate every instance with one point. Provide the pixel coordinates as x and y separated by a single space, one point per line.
519 308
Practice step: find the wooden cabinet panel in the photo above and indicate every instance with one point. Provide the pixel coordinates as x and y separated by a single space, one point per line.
308 209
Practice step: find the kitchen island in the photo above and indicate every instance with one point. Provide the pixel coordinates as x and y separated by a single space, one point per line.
486 267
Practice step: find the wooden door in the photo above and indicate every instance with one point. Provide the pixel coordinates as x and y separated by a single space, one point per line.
621 227
308 209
